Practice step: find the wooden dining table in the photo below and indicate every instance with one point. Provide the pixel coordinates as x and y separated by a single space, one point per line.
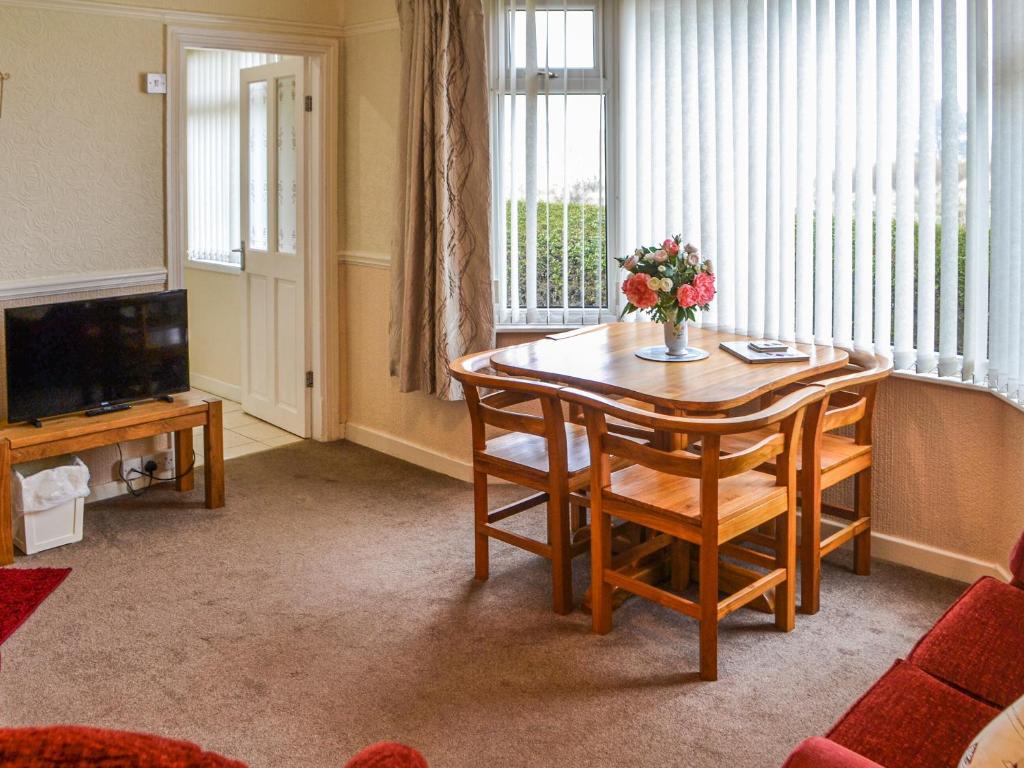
603 359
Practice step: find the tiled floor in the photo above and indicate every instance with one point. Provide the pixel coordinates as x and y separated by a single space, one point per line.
245 434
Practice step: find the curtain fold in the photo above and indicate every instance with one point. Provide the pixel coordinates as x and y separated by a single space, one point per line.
441 305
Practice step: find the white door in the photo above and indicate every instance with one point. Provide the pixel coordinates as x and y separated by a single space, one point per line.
274 339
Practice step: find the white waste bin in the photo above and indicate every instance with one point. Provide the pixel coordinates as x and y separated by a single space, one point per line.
49 507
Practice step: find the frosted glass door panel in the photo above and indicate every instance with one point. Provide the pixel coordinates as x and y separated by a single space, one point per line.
259 173
287 177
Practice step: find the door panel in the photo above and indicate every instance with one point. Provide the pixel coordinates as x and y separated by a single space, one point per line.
275 350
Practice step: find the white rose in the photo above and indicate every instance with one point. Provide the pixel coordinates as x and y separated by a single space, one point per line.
666 284
661 268
654 283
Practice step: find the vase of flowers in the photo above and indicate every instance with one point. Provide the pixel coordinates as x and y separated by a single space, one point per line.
669 282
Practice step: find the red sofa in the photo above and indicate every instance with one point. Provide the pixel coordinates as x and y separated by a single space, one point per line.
924 712
75 746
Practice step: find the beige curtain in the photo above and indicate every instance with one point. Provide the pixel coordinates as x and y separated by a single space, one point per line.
441 305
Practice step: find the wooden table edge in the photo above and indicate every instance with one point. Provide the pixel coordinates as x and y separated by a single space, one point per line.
668 404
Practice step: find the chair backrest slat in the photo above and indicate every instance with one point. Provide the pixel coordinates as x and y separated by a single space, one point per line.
512 421
681 463
760 453
835 418
504 391
507 398
783 416
854 394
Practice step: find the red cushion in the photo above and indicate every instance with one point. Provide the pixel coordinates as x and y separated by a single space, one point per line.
908 719
78 747
817 752
978 645
1017 562
387 754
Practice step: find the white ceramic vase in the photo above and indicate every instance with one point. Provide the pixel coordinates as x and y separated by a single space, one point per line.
676 337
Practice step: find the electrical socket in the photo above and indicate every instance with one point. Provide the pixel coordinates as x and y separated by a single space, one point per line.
164 465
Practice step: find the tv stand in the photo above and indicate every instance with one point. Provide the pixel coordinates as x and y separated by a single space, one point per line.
70 434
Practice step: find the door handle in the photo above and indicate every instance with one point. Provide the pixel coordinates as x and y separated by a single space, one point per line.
241 252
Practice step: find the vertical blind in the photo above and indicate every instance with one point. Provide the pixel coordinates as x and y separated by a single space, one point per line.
212 151
550 250
844 164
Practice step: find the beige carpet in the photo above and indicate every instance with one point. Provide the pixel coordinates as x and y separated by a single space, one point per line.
331 604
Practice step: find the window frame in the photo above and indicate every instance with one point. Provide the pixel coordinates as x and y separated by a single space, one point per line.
599 80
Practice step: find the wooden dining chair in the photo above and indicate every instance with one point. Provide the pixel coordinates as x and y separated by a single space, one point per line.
541 451
704 499
849 403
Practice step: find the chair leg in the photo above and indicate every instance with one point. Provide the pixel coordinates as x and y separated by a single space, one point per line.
862 541
810 543
600 559
680 564
577 517
708 611
482 540
785 557
560 540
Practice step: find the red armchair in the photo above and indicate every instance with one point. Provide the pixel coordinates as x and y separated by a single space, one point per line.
924 712
74 746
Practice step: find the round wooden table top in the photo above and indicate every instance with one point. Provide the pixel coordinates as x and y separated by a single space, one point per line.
602 359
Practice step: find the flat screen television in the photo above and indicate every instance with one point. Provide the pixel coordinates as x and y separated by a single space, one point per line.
77 355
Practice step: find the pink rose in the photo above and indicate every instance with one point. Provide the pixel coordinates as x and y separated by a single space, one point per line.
687 296
704 283
639 292
659 256
630 264
670 246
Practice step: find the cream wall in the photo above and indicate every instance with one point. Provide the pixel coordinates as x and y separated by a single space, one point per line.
82 148
215 330
377 414
950 462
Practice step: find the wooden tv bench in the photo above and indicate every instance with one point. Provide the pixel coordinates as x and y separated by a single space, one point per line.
69 434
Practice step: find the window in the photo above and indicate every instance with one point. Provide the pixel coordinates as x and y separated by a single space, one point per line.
853 168
212 151
549 105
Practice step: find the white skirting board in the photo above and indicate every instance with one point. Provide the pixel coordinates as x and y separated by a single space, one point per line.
893 549
216 387
420 455
924 557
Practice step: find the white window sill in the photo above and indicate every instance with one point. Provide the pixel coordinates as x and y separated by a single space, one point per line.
213 266
535 329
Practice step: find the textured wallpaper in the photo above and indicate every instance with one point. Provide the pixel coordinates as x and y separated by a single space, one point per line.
81 146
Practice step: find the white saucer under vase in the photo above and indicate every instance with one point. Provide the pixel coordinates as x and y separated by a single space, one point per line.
676 348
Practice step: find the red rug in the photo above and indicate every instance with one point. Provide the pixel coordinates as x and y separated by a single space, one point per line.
22 590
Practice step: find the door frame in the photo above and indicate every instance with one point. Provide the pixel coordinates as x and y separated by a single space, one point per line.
321 55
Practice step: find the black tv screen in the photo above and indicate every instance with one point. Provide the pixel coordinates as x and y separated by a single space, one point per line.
77 355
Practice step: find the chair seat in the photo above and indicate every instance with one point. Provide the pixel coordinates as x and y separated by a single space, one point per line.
680 496
517 449
908 719
978 644
836 450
